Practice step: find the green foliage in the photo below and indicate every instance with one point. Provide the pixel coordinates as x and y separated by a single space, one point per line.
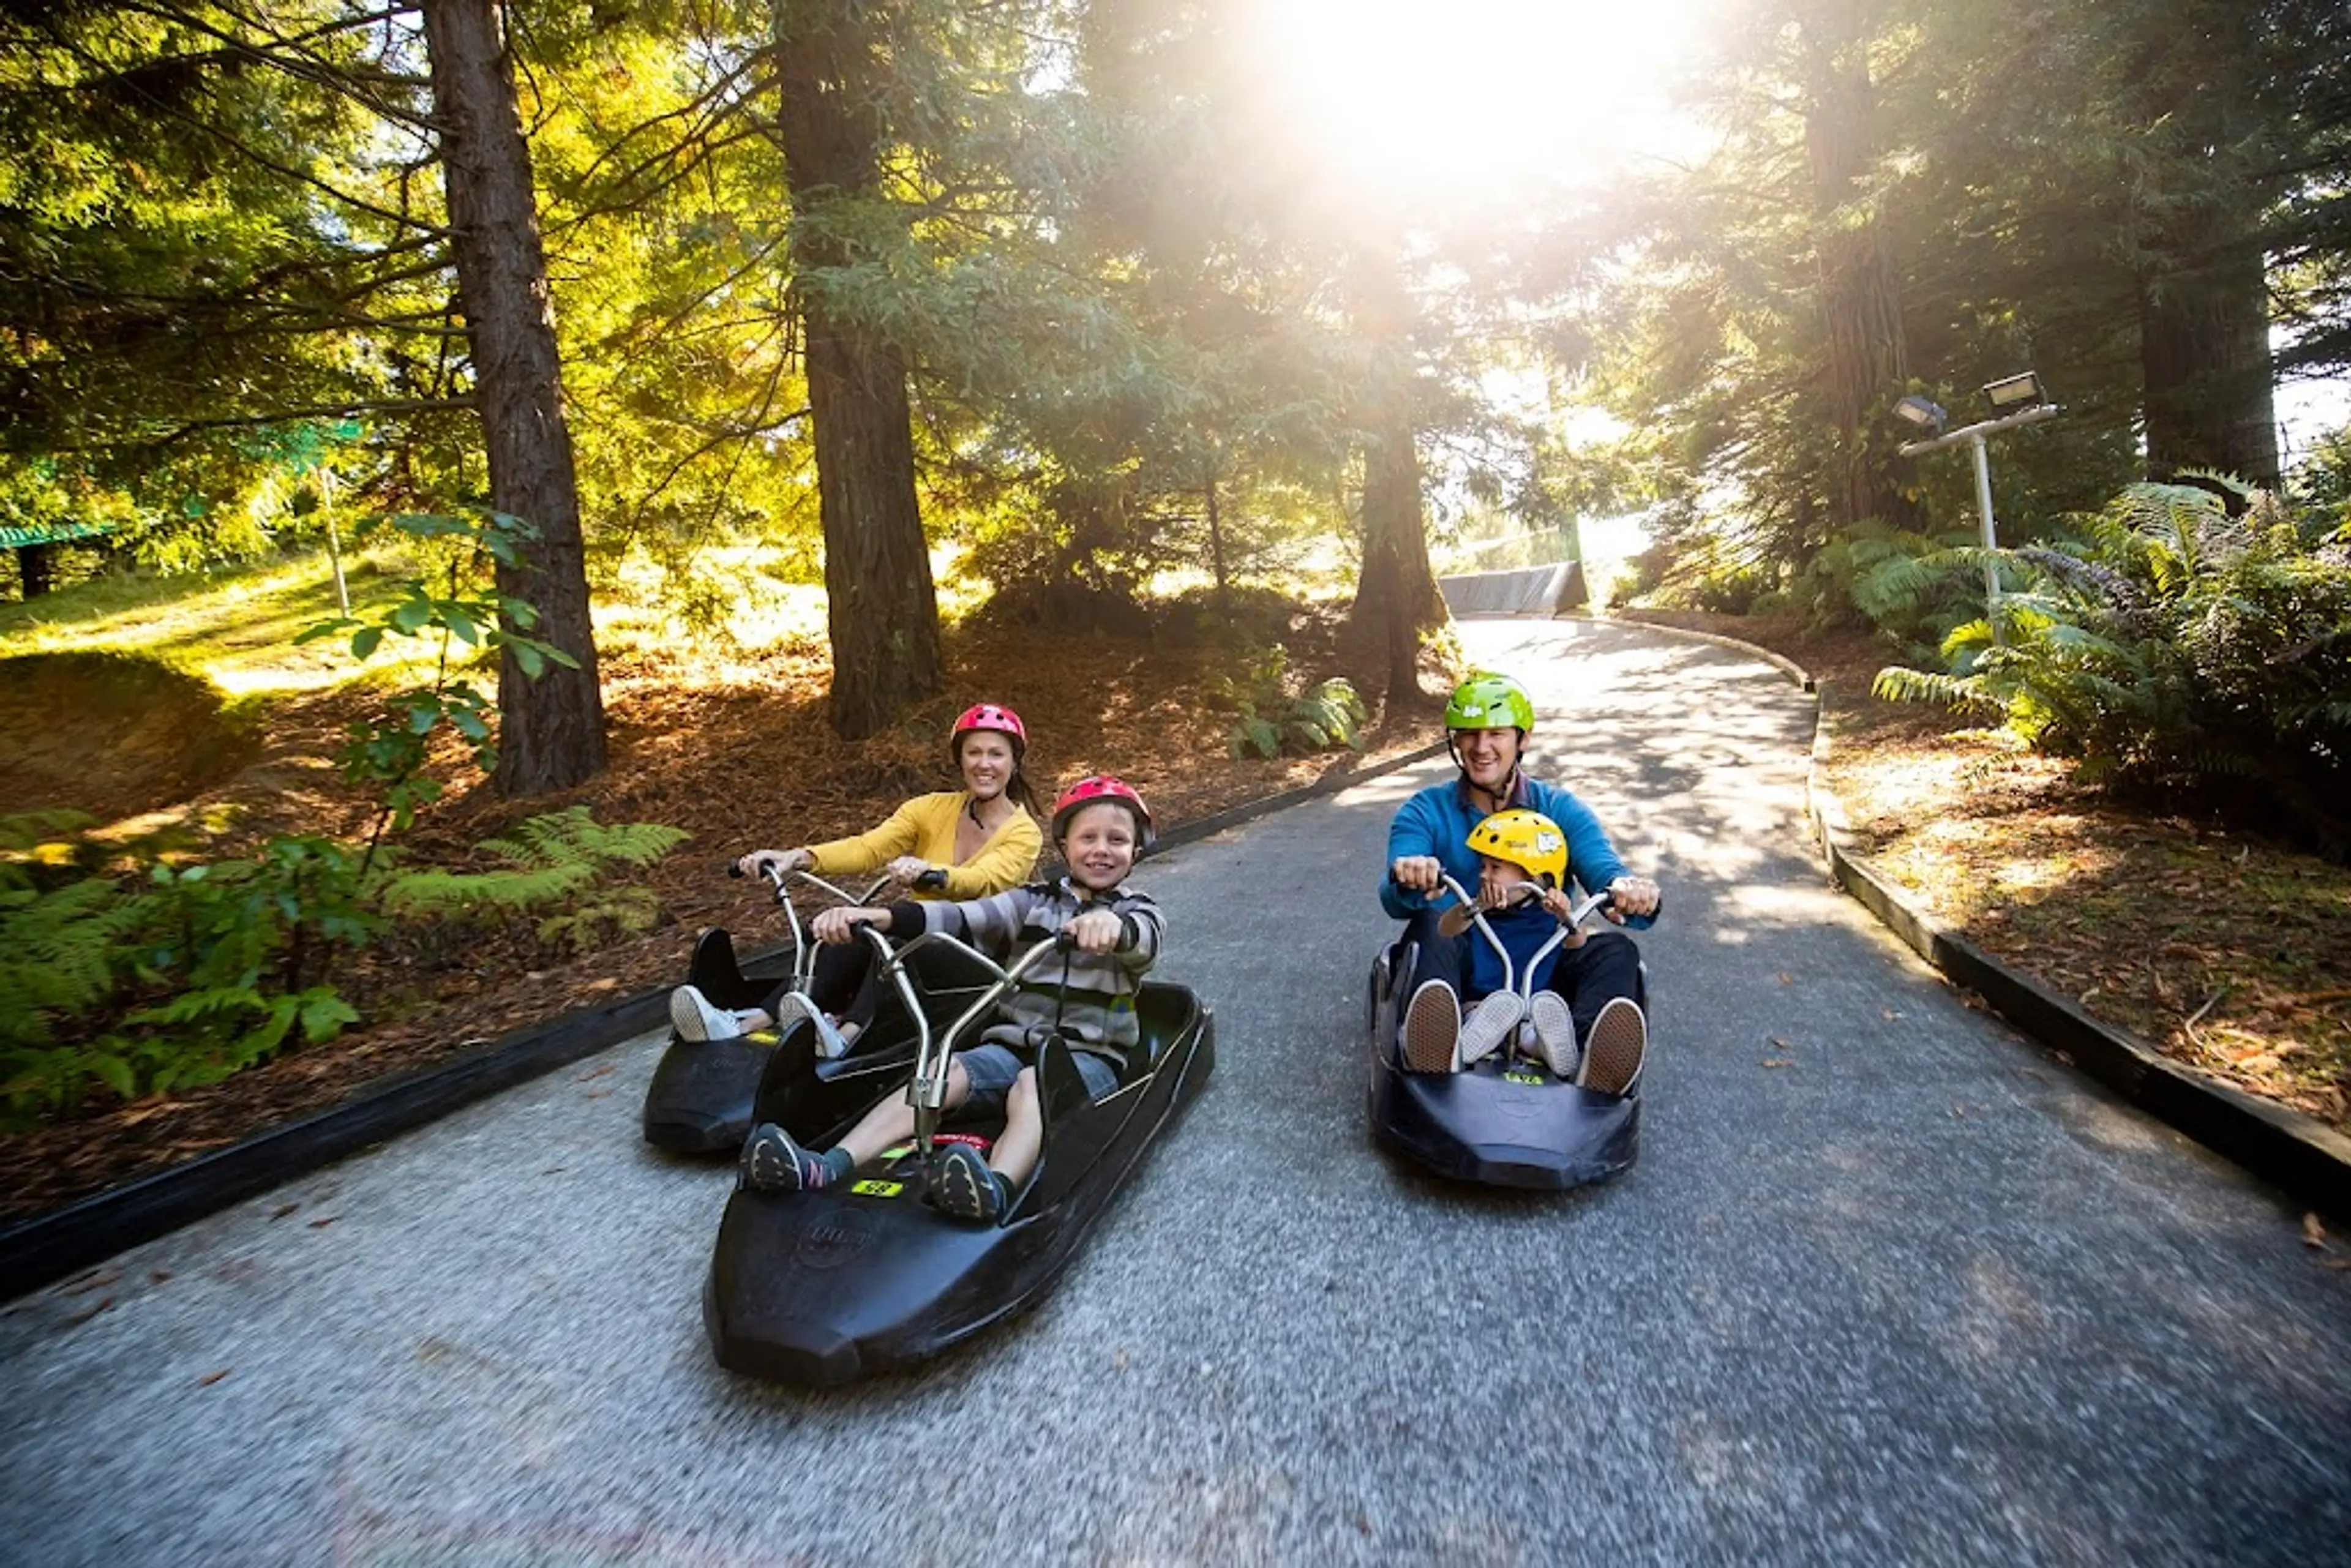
2175 647
392 750
129 966
1272 721
557 866
168 975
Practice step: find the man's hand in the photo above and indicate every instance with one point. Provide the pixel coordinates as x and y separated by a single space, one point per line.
1632 895
1095 931
908 868
840 923
1417 873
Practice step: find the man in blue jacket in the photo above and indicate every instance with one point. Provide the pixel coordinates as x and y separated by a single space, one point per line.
1487 723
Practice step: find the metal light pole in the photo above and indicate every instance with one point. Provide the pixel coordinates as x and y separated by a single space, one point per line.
2004 394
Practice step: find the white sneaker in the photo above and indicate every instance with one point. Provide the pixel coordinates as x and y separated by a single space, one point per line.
1488 1025
1614 1051
691 1014
1432 1030
1555 1033
830 1045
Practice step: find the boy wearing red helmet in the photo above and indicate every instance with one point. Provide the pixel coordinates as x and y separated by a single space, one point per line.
983 836
1100 827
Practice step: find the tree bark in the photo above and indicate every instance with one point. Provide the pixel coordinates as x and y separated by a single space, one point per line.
2204 348
882 608
551 729
1860 291
2203 286
1395 594
33 574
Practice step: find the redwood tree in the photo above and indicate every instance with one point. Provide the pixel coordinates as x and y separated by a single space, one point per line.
551 729
1395 594
833 68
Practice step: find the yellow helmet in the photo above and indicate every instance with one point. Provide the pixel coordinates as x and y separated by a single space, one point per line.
1528 839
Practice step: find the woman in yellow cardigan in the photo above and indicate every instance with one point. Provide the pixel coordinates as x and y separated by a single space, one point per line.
983 837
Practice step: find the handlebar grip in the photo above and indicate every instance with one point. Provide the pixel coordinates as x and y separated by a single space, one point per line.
734 869
931 881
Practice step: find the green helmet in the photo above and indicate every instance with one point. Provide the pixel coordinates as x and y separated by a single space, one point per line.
1490 702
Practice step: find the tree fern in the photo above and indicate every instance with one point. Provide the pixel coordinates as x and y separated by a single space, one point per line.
557 866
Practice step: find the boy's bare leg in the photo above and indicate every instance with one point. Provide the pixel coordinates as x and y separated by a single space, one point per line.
893 1121
1014 1155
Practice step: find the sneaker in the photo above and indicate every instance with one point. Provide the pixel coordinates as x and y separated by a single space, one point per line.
830 1043
1488 1025
1554 1033
1432 1030
967 1186
1612 1052
691 1014
772 1161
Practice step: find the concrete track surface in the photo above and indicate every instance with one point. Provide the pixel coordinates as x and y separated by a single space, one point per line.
1887 1285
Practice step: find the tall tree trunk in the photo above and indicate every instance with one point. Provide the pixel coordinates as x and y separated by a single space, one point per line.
1395 595
2204 347
882 611
551 729
33 569
1860 291
2203 287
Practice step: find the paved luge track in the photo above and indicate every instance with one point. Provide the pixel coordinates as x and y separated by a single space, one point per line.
1921 1296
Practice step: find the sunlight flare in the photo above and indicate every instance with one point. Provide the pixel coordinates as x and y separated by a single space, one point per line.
1480 96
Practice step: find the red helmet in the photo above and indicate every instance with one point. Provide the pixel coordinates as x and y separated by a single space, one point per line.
1101 787
988 715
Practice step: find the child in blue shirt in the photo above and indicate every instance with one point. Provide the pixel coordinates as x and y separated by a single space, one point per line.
1523 857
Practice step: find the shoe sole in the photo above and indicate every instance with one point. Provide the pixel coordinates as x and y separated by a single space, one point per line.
767 1168
1612 1056
686 1018
960 1192
1490 1023
1556 1043
1431 1033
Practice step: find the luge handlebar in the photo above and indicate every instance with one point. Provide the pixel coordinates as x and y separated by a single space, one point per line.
928 1092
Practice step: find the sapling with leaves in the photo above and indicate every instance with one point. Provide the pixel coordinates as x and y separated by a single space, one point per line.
392 751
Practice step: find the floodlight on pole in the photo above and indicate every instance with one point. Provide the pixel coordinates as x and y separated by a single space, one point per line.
2022 389
2022 394
1924 413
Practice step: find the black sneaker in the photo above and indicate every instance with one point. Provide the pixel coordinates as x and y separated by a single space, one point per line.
772 1161
966 1186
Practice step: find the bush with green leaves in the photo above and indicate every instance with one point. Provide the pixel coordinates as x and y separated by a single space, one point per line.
2174 647
1274 721
391 751
135 968
145 973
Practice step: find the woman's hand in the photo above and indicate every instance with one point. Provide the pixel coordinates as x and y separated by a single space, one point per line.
909 869
1631 895
840 923
757 863
1095 931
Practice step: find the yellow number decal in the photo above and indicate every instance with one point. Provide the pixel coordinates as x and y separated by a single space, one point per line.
872 1189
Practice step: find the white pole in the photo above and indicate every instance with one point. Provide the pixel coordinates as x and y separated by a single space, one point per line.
1990 538
334 545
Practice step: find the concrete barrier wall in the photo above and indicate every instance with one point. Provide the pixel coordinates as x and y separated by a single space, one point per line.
1525 591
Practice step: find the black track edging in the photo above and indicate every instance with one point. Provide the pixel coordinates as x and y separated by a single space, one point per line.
50 1247
2295 1152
